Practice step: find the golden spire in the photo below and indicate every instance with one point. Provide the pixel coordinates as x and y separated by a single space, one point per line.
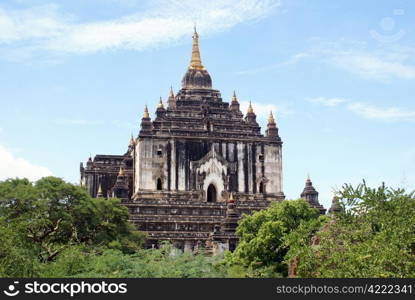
121 172
160 105
196 62
231 197
146 115
234 99
99 189
250 109
171 95
132 141
271 118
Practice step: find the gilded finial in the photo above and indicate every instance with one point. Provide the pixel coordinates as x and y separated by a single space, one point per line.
121 172
146 115
99 189
231 197
234 99
171 95
271 118
160 105
250 109
132 141
196 62
90 157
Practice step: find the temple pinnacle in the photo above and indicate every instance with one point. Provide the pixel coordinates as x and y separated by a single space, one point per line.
196 62
160 105
121 173
234 99
271 118
146 115
250 109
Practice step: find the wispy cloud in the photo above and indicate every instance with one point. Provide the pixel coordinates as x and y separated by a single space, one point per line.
382 64
11 167
371 65
290 61
381 113
368 111
327 101
164 22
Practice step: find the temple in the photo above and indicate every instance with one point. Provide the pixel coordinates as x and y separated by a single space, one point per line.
195 168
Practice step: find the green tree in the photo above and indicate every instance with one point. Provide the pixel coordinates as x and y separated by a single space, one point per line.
45 218
166 262
261 249
374 236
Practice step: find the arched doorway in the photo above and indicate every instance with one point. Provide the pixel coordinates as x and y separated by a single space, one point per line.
159 184
211 193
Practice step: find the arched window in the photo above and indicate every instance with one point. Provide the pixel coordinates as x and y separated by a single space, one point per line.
261 187
211 193
159 184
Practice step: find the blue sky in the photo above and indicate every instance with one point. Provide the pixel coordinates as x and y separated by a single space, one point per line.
339 75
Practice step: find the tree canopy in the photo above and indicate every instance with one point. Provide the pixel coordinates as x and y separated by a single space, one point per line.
261 249
373 236
38 221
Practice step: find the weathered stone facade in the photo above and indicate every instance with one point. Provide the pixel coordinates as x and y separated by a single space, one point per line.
178 175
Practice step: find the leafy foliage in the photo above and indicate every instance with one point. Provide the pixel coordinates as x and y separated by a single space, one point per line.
38 221
151 263
261 249
374 236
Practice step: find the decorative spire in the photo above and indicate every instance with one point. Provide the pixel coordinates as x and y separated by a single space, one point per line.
231 200
146 115
234 99
272 130
250 109
271 118
89 158
335 205
310 195
132 141
196 62
99 193
121 172
160 105
171 95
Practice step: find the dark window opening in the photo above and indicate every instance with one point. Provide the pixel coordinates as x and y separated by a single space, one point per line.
261 187
211 193
261 157
159 185
159 152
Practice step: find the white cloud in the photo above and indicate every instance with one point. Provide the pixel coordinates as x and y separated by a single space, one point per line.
382 64
292 60
381 113
368 111
331 102
166 21
11 167
372 66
